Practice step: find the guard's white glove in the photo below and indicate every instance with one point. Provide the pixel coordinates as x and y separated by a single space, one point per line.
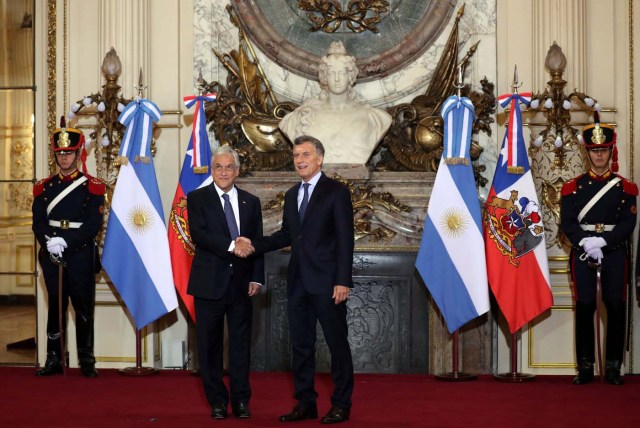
56 245
592 242
596 254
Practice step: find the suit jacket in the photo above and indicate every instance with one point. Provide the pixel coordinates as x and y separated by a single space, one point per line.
322 244
214 268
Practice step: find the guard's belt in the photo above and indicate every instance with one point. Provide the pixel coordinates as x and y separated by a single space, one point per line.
65 224
598 227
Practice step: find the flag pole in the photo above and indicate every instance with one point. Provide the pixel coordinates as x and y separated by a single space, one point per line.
455 375
514 376
138 370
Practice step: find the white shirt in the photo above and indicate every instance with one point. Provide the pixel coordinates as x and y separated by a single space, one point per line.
312 185
233 199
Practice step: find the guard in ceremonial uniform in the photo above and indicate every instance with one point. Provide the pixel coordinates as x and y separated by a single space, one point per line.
598 216
67 215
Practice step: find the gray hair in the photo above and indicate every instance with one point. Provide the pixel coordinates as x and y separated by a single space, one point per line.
226 150
309 139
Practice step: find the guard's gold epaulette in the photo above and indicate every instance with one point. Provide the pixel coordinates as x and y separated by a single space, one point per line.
38 187
96 186
628 186
570 186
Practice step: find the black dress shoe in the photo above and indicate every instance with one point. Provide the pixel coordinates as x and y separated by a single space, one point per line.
612 376
583 377
300 413
241 410
51 367
336 415
219 411
585 372
88 370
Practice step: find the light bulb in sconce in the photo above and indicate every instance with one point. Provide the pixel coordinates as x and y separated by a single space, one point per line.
87 101
558 141
120 107
534 104
548 103
105 140
101 106
566 104
111 65
588 101
538 141
75 107
580 139
597 107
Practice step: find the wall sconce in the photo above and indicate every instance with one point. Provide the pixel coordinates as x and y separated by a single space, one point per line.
558 134
107 132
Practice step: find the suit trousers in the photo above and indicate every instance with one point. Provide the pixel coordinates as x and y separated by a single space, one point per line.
304 311
210 315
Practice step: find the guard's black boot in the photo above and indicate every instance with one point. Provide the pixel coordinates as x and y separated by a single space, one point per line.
612 373
84 337
52 366
585 372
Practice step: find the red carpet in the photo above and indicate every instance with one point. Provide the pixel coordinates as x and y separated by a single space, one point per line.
175 399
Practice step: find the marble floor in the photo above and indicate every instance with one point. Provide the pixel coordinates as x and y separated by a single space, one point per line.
17 334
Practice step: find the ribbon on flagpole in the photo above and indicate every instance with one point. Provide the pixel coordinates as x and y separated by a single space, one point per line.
138 117
514 132
200 140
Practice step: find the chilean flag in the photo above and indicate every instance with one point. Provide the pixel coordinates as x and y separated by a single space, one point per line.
515 248
196 173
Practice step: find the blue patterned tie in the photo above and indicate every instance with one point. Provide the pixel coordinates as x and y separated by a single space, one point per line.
231 219
305 201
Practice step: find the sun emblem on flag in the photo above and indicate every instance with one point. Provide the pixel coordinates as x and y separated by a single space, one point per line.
140 219
454 222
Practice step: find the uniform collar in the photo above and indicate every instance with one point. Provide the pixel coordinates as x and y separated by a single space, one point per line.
69 177
602 177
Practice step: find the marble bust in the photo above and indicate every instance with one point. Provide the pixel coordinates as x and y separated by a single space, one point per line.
349 130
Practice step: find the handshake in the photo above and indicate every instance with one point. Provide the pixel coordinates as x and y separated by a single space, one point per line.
243 247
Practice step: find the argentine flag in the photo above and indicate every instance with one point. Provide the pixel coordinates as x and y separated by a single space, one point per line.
451 257
136 249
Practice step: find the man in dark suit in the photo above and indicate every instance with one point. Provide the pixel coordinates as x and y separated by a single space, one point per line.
317 223
222 283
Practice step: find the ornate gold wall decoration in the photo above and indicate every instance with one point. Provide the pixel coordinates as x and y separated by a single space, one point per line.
51 73
359 15
414 141
246 114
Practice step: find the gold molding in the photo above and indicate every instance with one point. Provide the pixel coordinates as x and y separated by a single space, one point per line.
631 158
531 356
51 65
20 252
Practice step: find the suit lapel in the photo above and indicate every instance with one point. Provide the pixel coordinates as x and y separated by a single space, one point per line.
218 209
317 193
243 206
